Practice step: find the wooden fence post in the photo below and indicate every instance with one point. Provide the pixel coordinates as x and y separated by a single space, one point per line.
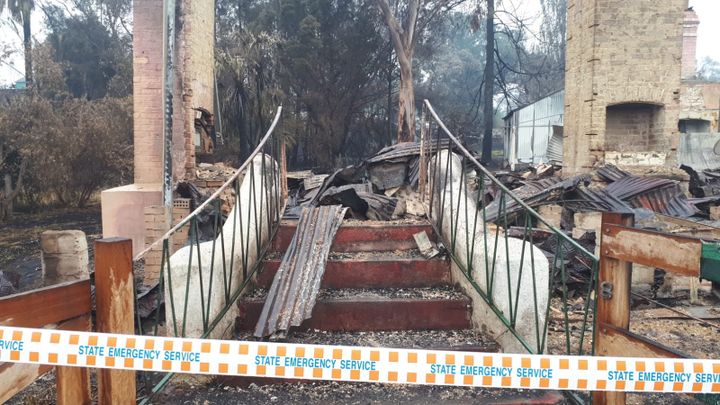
114 287
613 301
73 383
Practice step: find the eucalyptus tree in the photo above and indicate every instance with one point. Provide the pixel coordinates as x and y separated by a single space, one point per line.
21 12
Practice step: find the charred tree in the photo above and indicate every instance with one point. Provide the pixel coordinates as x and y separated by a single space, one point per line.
489 80
402 37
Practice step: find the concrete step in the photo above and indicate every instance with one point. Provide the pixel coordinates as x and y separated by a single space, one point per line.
374 310
362 236
372 270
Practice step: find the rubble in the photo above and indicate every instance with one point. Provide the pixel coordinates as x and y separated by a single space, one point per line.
7 287
427 248
681 201
381 188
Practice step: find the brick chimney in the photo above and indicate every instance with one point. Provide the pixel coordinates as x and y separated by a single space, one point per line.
690 28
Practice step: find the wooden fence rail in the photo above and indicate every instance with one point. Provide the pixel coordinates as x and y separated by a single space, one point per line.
64 306
622 245
68 306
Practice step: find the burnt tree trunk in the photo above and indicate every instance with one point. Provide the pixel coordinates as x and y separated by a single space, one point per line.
406 105
489 80
27 43
7 197
403 40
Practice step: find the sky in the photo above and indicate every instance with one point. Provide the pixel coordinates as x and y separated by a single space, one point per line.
12 67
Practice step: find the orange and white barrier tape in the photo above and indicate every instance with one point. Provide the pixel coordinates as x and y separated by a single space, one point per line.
366 364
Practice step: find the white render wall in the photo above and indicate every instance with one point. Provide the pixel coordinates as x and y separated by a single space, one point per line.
483 316
246 239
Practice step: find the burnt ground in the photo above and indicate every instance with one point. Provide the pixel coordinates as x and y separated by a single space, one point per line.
195 392
20 239
20 253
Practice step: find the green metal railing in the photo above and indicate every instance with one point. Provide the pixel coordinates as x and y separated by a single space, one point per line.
547 304
200 283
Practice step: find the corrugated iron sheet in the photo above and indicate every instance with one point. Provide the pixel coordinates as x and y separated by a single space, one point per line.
294 290
631 186
611 173
534 193
596 199
401 152
555 147
660 195
696 150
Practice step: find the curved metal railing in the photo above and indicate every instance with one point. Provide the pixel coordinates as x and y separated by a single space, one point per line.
208 257
547 304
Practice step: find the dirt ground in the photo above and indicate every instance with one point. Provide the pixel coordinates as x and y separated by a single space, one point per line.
343 393
20 239
20 253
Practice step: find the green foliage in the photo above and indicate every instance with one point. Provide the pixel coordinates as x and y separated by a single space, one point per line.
72 133
709 70
320 58
96 62
73 147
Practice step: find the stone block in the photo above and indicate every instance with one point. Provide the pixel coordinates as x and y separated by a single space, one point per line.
715 213
552 214
588 220
64 256
642 275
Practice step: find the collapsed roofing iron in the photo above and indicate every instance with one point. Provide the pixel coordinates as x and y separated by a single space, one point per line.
611 173
362 202
624 193
295 287
403 151
596 199
534 193
704 183
660 195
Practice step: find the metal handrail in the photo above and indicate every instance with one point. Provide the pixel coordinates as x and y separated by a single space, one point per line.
498 183
517 300
236 250
217 193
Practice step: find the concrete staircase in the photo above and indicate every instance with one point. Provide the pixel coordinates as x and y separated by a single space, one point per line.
374 281
378 290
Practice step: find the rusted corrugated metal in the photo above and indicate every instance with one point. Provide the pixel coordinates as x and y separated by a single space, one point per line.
596 199
659 195
534 193
629 187
401 152
611 173
295 287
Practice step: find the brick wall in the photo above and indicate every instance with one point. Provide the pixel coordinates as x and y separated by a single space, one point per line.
194 74
156 224
690 28
620 52
147 90
634 128
701 101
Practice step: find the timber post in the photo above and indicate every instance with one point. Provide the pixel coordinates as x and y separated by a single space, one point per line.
283 170
114 289
613 301
73 383
424 129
